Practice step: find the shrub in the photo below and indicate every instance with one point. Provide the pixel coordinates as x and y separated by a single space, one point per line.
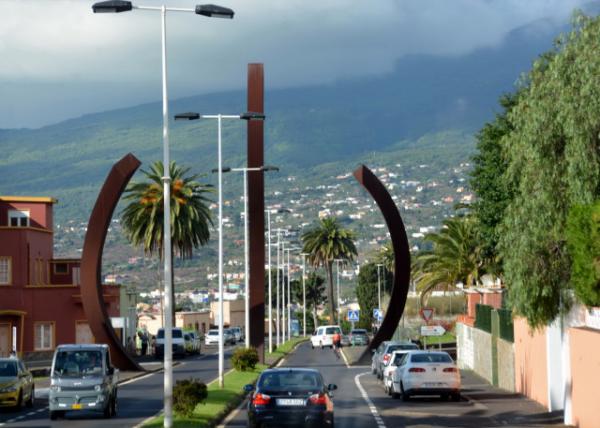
483 317
244 360
187 394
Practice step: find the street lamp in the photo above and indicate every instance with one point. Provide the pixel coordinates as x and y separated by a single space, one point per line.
117 6
337 265
289 293
277 317
246 249
219 118
304 291
379 287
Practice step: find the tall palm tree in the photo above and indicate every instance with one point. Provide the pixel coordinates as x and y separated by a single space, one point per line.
325 243
142 218
455 257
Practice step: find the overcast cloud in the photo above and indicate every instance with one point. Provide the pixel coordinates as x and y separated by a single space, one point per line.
60 60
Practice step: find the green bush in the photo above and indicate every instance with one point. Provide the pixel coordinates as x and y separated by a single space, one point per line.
507 330
483 317
187 394
583 243
244 360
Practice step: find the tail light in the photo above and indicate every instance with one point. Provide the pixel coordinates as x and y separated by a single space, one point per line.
260 399
416 370
318 399
386 359
450 370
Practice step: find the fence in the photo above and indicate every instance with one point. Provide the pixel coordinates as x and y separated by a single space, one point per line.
483 317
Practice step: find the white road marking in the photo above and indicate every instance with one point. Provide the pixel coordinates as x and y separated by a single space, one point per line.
372 408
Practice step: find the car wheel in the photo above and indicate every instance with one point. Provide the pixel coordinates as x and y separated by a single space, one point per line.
53 415
19 401
445 397
456 396
405 395
31 397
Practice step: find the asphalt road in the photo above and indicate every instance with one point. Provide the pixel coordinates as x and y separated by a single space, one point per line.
139 398
360 401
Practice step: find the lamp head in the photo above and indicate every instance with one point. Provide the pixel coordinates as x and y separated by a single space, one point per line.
112 6
252 115
187 116
214 11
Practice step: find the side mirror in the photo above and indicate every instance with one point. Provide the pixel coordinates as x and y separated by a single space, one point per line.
249 388
331 387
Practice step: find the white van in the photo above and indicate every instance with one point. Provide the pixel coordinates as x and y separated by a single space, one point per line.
324 336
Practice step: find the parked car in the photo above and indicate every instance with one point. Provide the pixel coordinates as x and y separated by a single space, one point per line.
196 339
426 373
238 333
82 378
192 344
211 337
178 342
229 336
323 336
359 337
389 369
290 396
345 340
383 353
16 384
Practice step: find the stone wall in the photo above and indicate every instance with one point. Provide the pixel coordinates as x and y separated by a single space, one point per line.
482 364
506 365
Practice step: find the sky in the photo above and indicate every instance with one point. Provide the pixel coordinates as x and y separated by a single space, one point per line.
59 60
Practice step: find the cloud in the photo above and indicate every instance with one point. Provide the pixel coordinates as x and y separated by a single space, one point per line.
55 42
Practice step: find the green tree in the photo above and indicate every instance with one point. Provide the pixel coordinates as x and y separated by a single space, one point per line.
553 164
315 294
367 292
385 256
454 257
142 217
325 243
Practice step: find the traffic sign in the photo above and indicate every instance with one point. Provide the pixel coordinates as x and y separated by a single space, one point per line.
378 314
353 315
432 330
427 314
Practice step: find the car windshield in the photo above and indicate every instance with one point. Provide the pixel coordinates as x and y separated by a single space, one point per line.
290 381
213 333
177 334
8 368
358 332
431 358
78 363
332 330
393 348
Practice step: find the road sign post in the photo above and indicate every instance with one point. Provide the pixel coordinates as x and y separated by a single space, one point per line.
353 316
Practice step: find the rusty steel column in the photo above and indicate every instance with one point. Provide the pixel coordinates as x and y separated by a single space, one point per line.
91 261
394 223
256 209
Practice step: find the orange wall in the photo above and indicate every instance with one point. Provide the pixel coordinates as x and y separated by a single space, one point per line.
531 375
585 372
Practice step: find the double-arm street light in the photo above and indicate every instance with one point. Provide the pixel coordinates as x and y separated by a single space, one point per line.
246 243
279 292
304 291
219 118
211 11
289 293
337 265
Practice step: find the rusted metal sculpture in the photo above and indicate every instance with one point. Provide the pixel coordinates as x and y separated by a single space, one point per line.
256 209
401 254
91 260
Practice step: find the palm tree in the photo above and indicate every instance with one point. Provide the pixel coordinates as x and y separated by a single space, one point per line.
142 218
325 243
455 257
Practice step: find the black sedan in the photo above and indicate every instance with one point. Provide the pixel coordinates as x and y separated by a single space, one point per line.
290 397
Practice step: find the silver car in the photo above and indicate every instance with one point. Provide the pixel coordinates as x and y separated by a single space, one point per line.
383 354
82 378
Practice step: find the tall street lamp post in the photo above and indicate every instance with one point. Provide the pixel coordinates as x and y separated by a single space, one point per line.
219 118
270 280
246 242
304 291
289 292
379 287
211 11
337 265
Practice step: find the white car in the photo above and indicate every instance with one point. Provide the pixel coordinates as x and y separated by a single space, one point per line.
211 337
324 336
426 373
238 333
390 368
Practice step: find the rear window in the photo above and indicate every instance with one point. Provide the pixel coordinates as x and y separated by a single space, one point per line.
398 358
332 330
358 332
292 380
8 368
213 333
431 358
177 334
393 348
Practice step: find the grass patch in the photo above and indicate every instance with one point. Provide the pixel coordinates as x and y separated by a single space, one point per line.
447 337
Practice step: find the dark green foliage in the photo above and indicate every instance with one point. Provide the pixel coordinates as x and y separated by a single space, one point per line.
583 241
244 359
367 293
483 317
187 394
507 329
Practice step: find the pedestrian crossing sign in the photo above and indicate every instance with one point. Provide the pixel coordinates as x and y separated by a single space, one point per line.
353 315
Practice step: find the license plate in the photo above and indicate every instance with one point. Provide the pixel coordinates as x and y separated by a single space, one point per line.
433 384
76 407
290 402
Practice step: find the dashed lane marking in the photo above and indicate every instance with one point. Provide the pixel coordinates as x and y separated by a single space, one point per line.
370 405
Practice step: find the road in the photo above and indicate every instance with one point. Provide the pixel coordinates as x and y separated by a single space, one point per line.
481 405
139 398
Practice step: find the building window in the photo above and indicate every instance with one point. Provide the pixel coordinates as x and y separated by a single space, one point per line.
18 218
61 268
5 271
43 335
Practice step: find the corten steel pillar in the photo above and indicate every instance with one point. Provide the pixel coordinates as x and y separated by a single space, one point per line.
91 261
394 223
256 209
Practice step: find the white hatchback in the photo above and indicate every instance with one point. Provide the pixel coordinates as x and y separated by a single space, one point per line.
324 336
390 368
426 373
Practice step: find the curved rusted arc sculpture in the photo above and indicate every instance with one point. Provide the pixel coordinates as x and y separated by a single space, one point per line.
401 254
91 261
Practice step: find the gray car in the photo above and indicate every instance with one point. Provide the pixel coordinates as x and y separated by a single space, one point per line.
383 353
82 378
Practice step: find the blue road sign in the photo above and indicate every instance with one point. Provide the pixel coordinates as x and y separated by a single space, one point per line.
353 315
378 314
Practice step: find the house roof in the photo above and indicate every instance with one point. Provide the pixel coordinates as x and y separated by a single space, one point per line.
43 199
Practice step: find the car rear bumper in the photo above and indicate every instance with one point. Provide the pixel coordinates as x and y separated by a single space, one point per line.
432 391
290 417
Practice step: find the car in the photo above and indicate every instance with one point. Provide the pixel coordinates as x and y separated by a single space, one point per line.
192 344
345 340
238 333
178 342
359 337
196 340
16 384
390 368
323 336
290 396
212 337
426 373
383 353
82 378
229 336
